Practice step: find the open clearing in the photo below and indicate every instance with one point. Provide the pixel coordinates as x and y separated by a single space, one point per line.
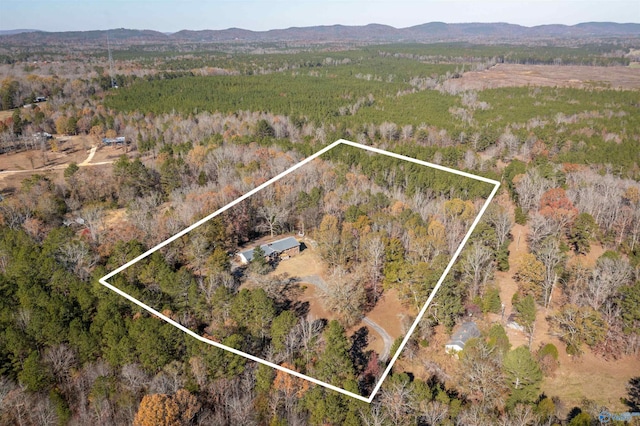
82 150
513 75
591 377
577 378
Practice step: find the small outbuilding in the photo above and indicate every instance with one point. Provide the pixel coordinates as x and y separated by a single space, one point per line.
466 331
283 248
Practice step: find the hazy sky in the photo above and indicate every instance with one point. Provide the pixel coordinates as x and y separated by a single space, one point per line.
175 15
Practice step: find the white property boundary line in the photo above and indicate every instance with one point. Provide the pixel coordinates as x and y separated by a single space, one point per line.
496 184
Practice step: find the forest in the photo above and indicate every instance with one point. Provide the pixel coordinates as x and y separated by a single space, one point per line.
550 274
371 232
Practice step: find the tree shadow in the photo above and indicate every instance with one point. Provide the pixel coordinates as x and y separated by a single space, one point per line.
359 342
575 411
633 394
301 309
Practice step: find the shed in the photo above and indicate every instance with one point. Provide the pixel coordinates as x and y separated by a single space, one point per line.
285 247
458 339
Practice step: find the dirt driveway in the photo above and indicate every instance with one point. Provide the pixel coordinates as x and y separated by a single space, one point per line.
310 269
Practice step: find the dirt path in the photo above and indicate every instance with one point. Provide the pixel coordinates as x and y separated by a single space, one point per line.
321 285
85 163
6 173
507 285
388 341
90 157
316 280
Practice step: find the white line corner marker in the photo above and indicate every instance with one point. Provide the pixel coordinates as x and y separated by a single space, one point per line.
179 326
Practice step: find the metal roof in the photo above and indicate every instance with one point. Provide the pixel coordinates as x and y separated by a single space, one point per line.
274 247
466 331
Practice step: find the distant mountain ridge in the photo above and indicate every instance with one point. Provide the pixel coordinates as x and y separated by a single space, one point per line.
428 32
13 32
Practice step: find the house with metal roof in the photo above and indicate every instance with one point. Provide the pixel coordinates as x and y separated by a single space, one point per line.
466 331
120 140
283 248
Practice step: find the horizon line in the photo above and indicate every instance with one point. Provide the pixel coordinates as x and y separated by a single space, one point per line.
25 30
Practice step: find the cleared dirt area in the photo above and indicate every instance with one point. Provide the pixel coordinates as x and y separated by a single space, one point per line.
70 149
512 75
306 263
590 258
82 150
4 114
390 313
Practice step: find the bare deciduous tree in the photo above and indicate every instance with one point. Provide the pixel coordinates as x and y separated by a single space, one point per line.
481 374
14 213
94 220
374 249
197 251
521 415
77 257
435 412
397 398
345 295
43 412
211 282
375 416
530 188
608 276
60 358
6 386
134 377
551 257
305 333
500 219
469 159
474 415
477 267
541 227
273 216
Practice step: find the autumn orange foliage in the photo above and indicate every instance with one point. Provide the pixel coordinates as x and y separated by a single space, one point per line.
556 205
167 410
289 384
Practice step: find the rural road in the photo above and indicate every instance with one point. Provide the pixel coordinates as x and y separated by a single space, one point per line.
319 283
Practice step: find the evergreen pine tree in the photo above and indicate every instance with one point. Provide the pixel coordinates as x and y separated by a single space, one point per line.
523 376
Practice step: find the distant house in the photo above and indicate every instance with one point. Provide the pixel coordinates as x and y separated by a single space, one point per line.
283 248
120 140
465 332
42 135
